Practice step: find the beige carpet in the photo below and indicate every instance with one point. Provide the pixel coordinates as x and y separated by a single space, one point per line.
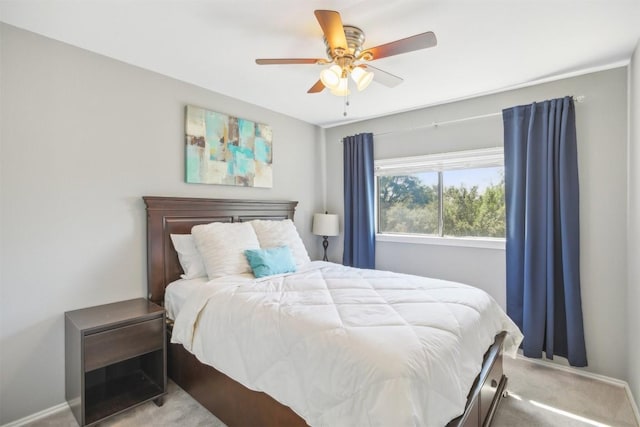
538 396
544 396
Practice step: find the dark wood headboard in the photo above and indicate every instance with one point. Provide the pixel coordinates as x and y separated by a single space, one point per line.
176 215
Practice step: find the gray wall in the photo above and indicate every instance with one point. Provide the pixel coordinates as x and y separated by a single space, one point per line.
83 138
633 239
602 157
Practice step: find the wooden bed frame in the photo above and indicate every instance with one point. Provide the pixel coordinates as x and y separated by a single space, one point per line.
231 402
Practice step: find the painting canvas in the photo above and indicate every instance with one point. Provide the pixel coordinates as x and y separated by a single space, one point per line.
227 150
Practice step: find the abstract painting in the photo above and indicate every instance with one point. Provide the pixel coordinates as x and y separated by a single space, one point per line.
227 150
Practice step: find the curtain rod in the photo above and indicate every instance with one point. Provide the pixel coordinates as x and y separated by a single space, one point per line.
578 99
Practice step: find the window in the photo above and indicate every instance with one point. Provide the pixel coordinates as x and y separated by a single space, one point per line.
459 194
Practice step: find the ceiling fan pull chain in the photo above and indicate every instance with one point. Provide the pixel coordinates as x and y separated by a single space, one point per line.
346 98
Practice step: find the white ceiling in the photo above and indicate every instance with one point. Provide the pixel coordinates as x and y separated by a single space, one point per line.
483 46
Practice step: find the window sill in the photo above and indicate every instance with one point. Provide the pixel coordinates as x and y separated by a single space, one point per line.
469 242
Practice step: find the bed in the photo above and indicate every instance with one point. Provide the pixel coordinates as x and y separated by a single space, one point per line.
228 399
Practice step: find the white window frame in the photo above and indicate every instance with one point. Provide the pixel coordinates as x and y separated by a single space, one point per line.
441 162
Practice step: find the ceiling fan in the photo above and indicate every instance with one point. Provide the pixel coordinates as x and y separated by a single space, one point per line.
346 53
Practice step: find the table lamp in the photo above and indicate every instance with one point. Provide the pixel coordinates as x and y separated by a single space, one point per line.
325 225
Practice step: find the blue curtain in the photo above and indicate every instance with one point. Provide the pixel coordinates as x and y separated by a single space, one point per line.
543 241
359 218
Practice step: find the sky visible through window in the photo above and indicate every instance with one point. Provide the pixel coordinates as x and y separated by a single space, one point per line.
482 177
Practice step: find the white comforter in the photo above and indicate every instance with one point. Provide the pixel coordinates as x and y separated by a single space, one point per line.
347 347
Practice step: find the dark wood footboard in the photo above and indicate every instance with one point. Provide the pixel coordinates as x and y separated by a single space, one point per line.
487 390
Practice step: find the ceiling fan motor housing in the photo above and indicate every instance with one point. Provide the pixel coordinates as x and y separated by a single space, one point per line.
355 40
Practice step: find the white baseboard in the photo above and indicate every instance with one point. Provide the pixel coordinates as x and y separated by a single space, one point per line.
634 406
38 415
609 380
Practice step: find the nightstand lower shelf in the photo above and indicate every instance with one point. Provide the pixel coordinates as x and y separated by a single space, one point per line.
108 398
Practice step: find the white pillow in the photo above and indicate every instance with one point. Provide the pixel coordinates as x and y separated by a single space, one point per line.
281 233
222 246
189 257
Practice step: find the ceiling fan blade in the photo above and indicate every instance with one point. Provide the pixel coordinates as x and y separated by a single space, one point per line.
417 42
382 77
317 88
331 25
277 61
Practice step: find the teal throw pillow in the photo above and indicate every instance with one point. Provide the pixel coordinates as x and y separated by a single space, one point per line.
270 261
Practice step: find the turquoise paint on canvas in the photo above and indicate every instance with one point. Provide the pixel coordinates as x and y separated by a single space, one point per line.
216 133
263 145
241 151
242 163
262 150
193 163
231 166
246 132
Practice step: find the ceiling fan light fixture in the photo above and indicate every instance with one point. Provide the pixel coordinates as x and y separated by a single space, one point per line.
345 52
342 89
331 76
362 78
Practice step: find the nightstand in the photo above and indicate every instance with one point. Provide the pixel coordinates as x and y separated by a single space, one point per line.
115 358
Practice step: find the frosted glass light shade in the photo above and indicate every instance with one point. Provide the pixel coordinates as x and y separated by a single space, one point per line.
325 224
342 89
330 77
361 77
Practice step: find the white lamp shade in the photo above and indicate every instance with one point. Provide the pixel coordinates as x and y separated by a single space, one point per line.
325 224
361 77
330 77
342 89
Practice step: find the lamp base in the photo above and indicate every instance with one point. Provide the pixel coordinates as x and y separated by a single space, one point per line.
325 245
